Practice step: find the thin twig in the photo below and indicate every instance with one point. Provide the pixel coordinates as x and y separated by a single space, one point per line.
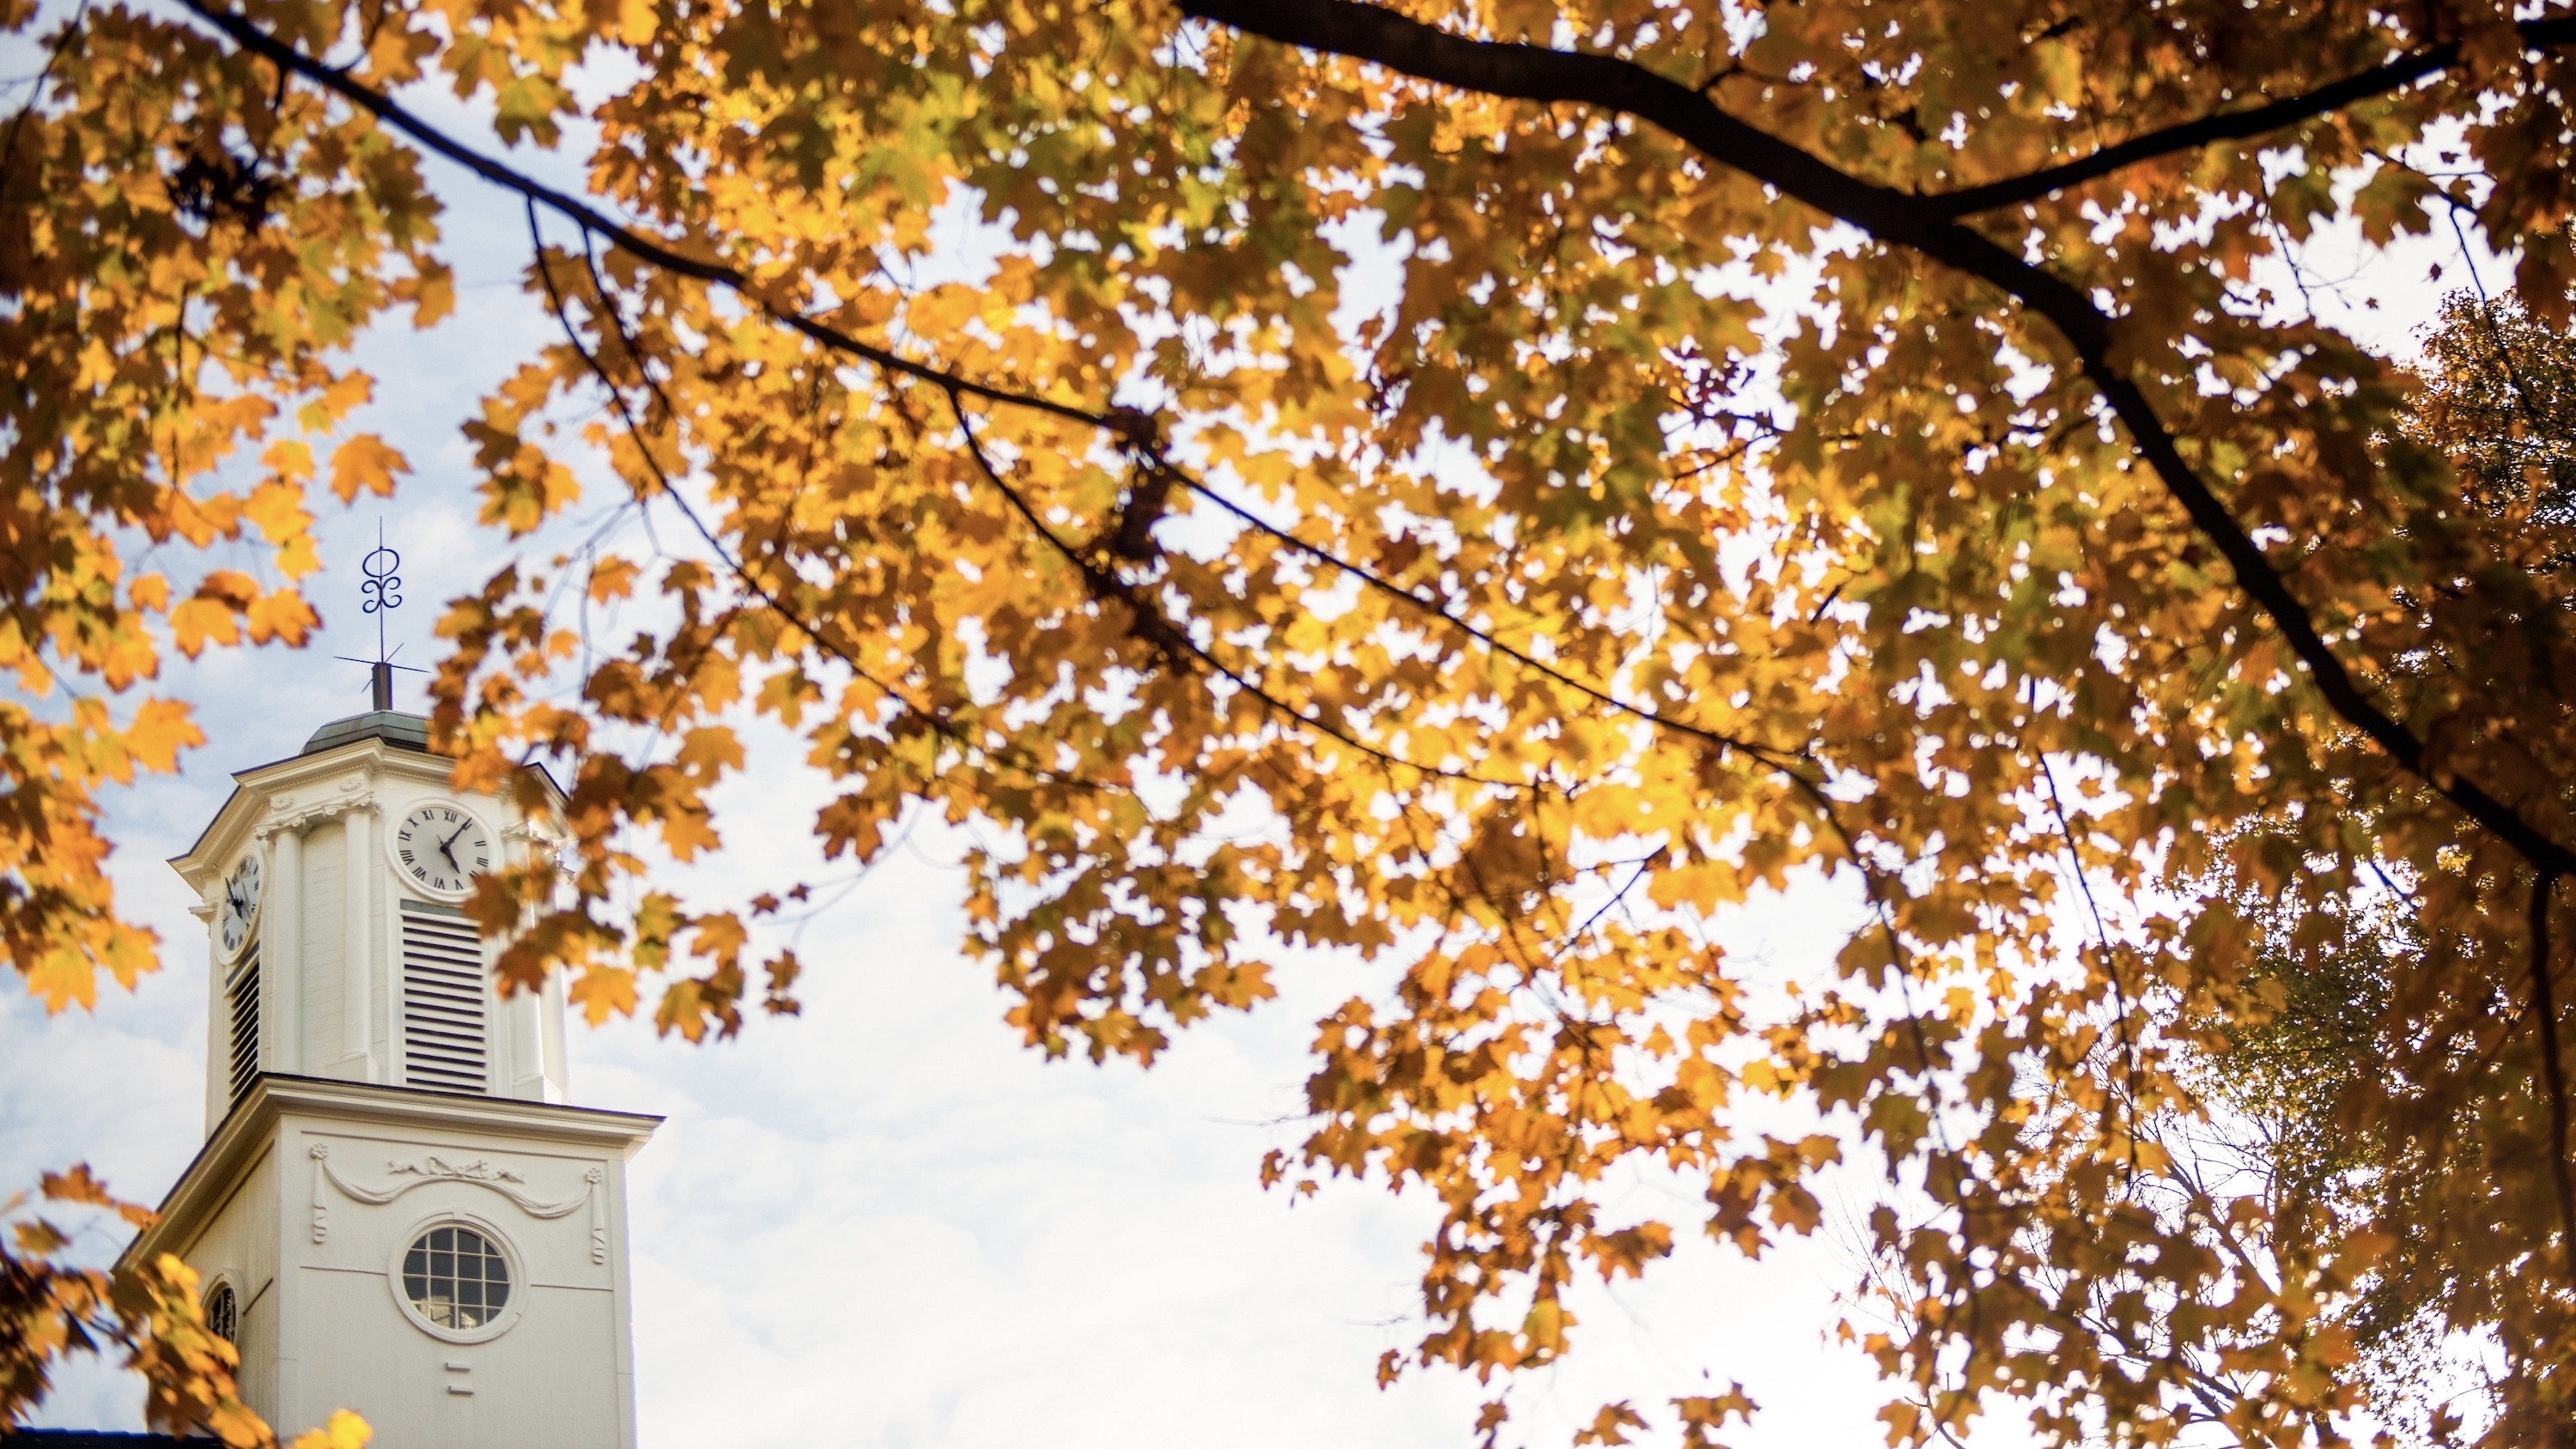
1579 932
2101 933
36 96
1767 754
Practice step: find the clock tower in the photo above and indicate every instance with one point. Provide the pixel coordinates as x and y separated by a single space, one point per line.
396 1210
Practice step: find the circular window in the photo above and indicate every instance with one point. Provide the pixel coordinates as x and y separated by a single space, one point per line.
222 1316
456 1278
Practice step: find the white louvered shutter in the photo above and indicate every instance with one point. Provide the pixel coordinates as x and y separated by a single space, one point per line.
444 1034
241 999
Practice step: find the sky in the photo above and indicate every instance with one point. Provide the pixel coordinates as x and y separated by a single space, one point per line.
884 1223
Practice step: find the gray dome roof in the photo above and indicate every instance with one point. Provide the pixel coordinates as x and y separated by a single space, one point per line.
403 731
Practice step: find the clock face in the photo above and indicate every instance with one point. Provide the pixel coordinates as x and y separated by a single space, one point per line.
239 907
440 847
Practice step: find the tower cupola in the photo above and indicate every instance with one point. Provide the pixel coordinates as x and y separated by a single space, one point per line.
397 1210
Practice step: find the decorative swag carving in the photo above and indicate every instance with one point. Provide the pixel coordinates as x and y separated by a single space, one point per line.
479 1173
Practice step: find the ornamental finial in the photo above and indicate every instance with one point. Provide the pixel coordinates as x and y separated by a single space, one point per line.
380 593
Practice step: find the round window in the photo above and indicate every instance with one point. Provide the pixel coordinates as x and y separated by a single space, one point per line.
222 1317
456 1278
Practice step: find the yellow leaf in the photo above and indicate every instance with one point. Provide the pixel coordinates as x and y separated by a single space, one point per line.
636 21
365 463
344 1431
281 614
161 729
288 458
198 622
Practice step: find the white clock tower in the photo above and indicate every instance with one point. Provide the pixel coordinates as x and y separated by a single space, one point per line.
396 1211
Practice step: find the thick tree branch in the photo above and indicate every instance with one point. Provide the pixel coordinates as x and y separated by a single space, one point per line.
1537 73
2553 1074
2231 125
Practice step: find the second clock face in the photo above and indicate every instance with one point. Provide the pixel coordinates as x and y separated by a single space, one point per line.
440 847
240 906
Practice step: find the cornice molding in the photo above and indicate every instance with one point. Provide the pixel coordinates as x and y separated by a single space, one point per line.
291 812
251 1128
298 793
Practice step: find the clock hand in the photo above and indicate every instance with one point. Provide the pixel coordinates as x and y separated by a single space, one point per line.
451 855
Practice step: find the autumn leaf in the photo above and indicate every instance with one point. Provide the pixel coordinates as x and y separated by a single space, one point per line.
365 463
162 728
344 1431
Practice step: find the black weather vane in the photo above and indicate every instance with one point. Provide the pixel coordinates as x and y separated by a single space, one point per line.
380 593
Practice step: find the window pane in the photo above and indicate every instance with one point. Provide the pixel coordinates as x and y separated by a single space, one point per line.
456 1277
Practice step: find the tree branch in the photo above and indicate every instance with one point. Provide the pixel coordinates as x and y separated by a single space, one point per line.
813 628
2231 125
1171 640
2544 1011
1777 759
1537 73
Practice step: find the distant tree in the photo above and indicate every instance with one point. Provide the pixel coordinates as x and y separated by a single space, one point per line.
2365 1113
2499 399
1834 439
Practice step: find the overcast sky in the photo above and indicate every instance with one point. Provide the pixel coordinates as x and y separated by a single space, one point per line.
884 1223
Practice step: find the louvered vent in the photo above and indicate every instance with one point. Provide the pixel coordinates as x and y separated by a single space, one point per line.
242 993
442 1002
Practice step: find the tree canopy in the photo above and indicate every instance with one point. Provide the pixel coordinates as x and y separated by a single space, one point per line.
1486 487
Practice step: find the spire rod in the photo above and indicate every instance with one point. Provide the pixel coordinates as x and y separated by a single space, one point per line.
380 593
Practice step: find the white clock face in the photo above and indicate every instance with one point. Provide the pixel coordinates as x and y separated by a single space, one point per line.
239 907
440 847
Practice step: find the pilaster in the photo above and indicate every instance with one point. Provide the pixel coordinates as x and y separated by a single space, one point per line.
358 956
216 1097
281 983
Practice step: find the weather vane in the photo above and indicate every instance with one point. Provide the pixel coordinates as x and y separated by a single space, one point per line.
380 593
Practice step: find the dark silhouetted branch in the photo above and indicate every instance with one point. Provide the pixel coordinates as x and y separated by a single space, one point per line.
1538 73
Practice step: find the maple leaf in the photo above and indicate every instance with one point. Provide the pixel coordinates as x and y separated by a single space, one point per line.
365 463
160 730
